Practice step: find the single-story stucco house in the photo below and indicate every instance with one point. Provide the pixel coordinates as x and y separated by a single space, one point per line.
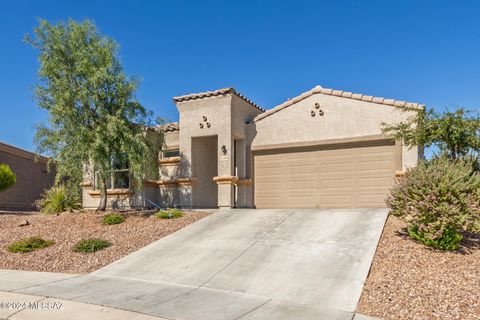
321 149
33 178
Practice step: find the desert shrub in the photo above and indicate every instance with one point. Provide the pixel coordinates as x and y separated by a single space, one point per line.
438 199
7 177
29 244
113 218
169 214
57 199
91 245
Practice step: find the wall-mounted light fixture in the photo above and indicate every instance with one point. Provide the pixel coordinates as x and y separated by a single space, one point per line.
208 124
224 149
204 118
201 125
321 112
312 113
317 105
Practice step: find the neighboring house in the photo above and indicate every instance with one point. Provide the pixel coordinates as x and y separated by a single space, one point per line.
321 149
32 178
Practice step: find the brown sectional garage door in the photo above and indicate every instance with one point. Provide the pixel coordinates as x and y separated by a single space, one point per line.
345 176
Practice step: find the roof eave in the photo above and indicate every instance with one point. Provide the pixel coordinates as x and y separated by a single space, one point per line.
341 94
215 93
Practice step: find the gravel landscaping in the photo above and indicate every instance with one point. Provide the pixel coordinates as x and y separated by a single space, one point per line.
411 281
67 229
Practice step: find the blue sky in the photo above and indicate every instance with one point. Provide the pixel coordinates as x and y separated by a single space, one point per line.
420 51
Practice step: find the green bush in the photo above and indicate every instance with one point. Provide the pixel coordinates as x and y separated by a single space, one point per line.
56 200
438 199
7 177
91 245
169 214
113 218
29 244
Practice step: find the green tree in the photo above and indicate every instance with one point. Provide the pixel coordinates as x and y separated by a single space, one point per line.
454 133
93 112
7 177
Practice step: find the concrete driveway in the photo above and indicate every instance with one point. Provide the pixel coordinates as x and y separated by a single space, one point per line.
241 264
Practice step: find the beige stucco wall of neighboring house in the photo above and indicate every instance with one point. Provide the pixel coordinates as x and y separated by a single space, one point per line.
342 119
33 178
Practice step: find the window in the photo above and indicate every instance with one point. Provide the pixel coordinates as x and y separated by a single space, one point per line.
170 153
119 176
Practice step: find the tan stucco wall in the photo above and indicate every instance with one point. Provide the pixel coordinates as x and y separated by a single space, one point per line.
218 113
227 116
171 140
343 118
243 114
166 197
204 169
113 201
32 179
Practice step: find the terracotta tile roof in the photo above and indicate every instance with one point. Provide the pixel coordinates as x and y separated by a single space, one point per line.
215 93
343 94
168 127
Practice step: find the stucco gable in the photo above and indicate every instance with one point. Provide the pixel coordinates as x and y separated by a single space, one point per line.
342 94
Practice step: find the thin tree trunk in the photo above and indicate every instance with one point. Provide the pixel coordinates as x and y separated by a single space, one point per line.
453 153
102 206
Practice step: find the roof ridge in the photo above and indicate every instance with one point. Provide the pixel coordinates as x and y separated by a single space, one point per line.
168 127
342 94
214 93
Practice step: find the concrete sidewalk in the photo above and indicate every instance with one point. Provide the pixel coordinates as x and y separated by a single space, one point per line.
16 306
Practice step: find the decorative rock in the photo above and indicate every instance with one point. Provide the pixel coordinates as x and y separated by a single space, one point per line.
24 223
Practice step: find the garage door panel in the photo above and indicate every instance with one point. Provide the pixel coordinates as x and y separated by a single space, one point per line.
338 200
344 175
371 200
300 173
337 152
336 167
334 178
301 159
301 198
273 201
336 191
375 165
385 151
374 181
299 177
372 190
270 164
302 185
271 172
335 183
